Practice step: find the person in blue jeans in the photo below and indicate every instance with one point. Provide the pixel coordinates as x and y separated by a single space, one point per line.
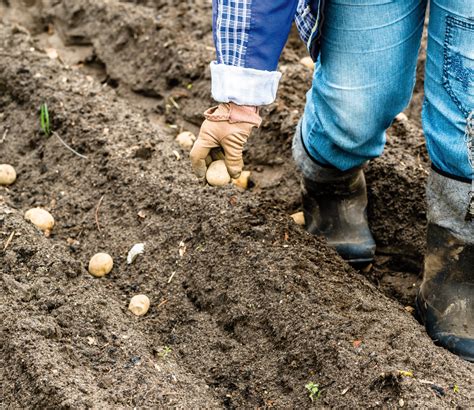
366 54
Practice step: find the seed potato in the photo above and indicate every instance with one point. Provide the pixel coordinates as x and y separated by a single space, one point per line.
217 174
307 62
41 218
186 140
298 217
7 174
100 264
139 305
243 180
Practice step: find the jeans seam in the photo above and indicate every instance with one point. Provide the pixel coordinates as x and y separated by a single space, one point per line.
447 63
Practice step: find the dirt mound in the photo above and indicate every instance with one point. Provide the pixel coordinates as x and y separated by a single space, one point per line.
247 308
167 48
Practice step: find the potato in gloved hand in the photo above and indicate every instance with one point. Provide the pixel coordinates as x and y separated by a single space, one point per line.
227 127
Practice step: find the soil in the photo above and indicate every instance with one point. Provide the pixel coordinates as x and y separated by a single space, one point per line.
246 307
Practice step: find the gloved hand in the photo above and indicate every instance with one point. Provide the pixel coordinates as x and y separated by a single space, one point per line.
227 128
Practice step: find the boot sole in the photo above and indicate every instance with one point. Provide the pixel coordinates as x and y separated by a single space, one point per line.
420 316
359 264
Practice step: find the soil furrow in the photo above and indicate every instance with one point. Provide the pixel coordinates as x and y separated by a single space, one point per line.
252 311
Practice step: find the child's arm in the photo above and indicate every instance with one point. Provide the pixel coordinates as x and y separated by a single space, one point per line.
249 36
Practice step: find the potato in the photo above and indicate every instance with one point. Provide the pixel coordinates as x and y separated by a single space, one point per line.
100 264
243 180
7 174
307 62
402 117
139 305
298 217
41 218
186 140
217 174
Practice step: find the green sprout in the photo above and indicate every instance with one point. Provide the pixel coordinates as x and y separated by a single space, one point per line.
164 352
314 391
46 128
44 120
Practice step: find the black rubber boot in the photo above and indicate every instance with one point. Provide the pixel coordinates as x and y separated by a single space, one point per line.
445 302
335 206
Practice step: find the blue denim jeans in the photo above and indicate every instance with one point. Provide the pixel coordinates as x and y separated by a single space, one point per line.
366 73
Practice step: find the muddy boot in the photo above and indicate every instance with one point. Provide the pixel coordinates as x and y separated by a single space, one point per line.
335 206
445 302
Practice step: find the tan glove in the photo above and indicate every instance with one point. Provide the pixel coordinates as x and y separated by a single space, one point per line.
226 127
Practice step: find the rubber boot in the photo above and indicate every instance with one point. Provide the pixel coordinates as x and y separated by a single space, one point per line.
445 302
335 206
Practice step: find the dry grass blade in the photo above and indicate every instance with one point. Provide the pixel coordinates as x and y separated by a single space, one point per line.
7 243
97 213
67 146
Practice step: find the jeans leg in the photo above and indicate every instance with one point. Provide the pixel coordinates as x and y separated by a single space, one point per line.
448 109
363 78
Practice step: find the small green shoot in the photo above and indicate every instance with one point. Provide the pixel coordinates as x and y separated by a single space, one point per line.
44 120
46 128
164 352
314 391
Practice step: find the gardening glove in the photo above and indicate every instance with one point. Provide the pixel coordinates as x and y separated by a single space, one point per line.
226 128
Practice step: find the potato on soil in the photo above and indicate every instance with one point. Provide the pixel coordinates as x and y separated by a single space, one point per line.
41 218
217 174
243 180
307 62
298 217
100 264
7 174
139 305
186 140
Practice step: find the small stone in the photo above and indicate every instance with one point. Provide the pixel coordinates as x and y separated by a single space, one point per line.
409 309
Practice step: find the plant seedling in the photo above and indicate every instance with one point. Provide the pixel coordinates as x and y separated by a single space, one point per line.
314 391
164 352
46 128
44 120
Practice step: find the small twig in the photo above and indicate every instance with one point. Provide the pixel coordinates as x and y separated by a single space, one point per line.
421 144
171 277
4 137
173 101
8 241
67 146
162 303
97 213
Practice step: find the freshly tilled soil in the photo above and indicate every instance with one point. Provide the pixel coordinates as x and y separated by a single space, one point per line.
246 307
